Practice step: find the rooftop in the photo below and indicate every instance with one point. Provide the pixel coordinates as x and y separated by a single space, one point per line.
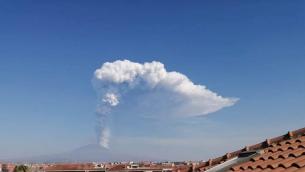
283 153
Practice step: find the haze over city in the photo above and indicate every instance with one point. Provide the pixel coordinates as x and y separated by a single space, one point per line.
147 80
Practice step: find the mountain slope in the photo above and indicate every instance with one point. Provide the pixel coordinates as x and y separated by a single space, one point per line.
87 153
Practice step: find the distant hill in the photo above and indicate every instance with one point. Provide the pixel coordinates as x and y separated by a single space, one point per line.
87 153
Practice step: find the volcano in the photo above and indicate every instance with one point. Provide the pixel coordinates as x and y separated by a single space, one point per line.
87 153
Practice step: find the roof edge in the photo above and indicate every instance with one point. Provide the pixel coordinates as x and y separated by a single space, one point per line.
261 145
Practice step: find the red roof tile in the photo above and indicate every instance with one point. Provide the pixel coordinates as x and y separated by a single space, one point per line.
74 166
117 167
283 153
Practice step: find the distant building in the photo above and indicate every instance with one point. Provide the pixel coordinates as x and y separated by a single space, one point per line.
149 168
76 167
38 167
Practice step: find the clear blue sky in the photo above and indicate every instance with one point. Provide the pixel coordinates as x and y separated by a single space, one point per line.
253 50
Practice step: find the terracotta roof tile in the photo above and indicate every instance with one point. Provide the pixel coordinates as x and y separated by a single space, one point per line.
288 154
117 167
283 153
300 170
76 166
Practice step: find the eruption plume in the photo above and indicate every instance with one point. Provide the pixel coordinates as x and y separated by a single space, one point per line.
152 91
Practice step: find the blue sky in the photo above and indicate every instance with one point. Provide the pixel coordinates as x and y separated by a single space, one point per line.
253 50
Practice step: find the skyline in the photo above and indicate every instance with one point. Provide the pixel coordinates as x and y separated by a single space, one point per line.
49 51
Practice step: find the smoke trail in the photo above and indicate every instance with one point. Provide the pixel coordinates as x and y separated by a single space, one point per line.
159 92
106 102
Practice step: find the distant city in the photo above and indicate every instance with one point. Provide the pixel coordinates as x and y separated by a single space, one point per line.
100 167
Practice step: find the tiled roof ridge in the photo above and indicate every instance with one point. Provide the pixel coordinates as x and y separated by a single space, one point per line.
261 145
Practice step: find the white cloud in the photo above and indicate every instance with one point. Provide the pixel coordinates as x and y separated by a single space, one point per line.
159 91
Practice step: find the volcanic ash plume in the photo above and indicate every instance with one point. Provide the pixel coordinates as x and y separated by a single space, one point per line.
159 93
106 103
